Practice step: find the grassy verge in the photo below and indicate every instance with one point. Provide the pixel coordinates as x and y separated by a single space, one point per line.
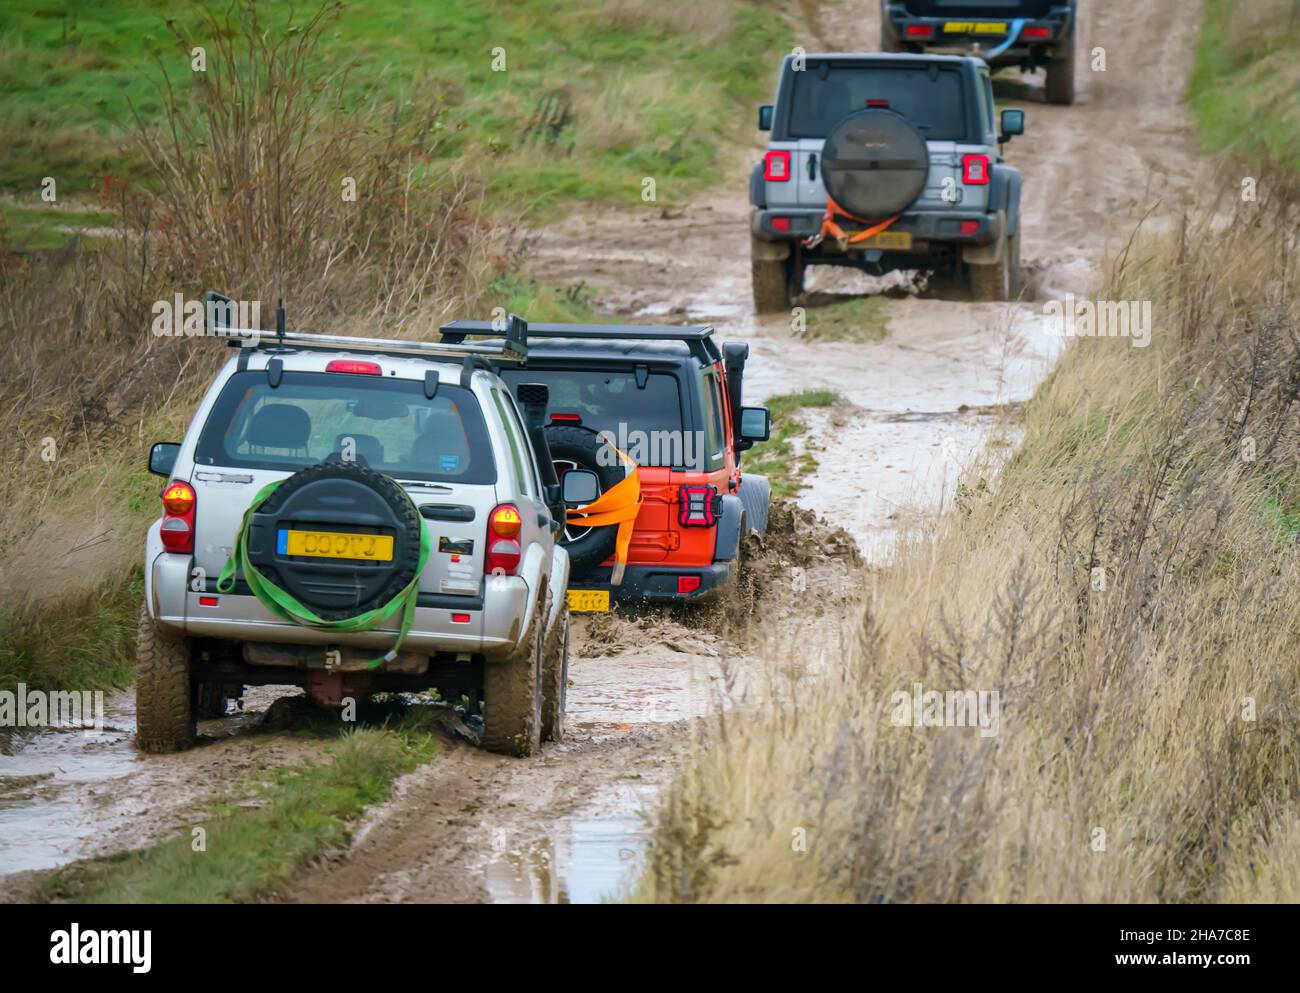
553 100
1110 630
1245 80
861 319
782 459
250 850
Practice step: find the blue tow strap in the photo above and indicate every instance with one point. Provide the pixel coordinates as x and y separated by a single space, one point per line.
1017 26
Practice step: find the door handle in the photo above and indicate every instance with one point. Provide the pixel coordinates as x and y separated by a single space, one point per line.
812 166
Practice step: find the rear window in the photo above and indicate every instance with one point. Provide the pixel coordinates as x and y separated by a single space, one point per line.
387 423
821 95
608 401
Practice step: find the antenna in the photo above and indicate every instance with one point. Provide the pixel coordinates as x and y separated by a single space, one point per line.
279 319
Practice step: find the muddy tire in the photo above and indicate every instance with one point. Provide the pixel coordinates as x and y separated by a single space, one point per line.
773 286
512 693
997 281
756 495
164 722
555 675
1059 88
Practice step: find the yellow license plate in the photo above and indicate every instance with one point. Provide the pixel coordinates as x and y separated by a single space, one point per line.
889 239
337 545
588 600
975 27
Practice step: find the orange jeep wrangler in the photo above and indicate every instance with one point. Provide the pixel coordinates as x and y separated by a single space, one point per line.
656 414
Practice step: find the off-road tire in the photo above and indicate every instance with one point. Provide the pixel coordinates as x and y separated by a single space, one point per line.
555 675
1059 86
163 719
997 281
512 693
773 286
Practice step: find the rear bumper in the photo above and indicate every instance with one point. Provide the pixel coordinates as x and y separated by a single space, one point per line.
657 583
491 625
963 36
925 226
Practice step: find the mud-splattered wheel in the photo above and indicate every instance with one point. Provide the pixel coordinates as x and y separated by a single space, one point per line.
164 722
555 675
512 693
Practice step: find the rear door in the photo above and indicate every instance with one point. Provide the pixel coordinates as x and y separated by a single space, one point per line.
438 449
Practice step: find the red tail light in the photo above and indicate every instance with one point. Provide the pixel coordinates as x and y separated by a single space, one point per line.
776 167
177 530
919 31
880 102
697 506
688 584
566 418
503 551
781 224
1034 31
355 367
969 228
975 170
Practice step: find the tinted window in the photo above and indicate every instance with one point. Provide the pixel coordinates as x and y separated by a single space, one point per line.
388 423
821 96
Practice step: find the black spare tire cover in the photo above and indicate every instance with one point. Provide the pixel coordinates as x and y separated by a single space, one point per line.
875 163
575 447
337 498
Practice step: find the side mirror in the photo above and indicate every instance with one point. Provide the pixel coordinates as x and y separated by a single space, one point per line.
579 486
1013 123
755 424
162 457
765 117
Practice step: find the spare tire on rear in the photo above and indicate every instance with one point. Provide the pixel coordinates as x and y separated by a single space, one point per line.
341 499
875 163
575 447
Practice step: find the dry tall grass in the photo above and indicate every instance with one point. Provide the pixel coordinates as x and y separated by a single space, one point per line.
1147 747
251 186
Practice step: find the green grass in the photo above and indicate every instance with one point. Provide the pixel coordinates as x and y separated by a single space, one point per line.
593 99
81 641
860 319
778 458
252 849
26 228
1245 80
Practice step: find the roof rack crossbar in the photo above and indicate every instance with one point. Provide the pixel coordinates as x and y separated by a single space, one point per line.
698 337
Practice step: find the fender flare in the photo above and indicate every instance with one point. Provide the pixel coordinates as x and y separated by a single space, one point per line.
1004 194
728 543
757 187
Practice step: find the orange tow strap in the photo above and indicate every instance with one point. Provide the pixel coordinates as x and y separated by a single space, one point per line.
617 505
829 227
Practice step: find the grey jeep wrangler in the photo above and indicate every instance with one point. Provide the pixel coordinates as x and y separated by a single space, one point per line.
885 162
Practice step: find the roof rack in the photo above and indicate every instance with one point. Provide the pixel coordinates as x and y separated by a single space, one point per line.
513 346
698 337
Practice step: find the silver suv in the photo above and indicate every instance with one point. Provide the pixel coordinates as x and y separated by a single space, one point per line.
884 162
408 486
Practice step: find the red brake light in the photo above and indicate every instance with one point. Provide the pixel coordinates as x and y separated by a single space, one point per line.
776 167
688 584
356 367
1036 31
781 224
460 618
878 102
975 170
970 227
177 528
696 506
567 418
919 31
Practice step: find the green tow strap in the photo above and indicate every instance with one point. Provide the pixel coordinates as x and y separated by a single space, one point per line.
291 609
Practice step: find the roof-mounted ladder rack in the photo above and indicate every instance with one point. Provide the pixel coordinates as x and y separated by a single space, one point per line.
512 345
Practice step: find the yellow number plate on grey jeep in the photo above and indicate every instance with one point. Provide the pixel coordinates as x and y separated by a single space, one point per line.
892 240
975 27
588 600
337 545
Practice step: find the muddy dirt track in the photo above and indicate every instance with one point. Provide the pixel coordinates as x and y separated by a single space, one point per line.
569 825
